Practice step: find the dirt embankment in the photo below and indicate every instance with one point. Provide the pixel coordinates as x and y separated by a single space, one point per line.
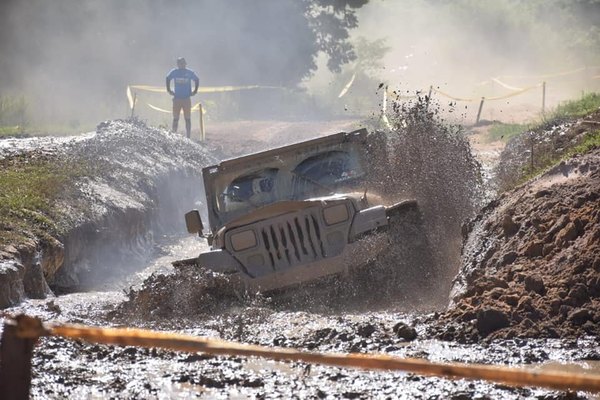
138 182
531 260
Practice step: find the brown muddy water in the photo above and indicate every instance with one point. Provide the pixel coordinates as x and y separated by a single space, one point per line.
76 370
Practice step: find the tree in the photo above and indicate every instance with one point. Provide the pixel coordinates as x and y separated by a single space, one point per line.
331 20
76 56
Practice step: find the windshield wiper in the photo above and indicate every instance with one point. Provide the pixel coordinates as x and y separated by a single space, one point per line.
314 182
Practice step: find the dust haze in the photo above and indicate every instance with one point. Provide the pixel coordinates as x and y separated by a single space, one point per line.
72 61
459 46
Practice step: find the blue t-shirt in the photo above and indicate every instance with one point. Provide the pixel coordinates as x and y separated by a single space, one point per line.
183 81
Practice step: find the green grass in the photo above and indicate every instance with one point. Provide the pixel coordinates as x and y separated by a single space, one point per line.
29 191
579 108
9 131
503 132
590 142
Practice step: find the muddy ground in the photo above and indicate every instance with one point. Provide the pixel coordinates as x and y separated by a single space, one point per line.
531 258
134 180
363 321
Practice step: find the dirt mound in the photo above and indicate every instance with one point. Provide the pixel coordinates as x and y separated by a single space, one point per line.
133 182
187 291
531 260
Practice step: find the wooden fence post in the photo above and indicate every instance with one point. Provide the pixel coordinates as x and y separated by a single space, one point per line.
532 148
15 363
202 133
479 112
543 96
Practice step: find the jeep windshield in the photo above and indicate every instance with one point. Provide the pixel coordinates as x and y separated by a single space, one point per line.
315 168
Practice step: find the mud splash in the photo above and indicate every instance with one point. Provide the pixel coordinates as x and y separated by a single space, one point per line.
432 162
186 291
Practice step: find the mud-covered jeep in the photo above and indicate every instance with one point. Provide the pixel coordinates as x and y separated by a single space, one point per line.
293 214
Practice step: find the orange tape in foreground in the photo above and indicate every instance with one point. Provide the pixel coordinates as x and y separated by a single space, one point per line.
33 327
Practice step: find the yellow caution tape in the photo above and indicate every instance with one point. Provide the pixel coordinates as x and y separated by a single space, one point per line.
204 89
553 75
499 82
452 97
518 92
195 108
147 88
347 87
159 109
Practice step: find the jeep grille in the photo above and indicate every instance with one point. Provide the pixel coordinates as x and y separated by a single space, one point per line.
295 240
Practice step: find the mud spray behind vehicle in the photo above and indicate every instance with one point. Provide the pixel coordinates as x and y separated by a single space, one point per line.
297 213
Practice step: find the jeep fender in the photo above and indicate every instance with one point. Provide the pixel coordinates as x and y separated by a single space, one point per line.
368 220
219 261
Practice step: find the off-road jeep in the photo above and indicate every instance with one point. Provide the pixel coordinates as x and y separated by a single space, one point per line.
293 214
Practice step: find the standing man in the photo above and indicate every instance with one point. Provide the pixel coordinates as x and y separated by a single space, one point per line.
182 93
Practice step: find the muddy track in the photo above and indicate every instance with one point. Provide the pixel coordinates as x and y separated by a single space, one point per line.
312 318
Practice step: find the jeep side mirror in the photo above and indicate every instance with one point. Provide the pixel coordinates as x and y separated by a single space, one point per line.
193 222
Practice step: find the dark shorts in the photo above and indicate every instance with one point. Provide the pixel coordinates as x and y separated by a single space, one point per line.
182 104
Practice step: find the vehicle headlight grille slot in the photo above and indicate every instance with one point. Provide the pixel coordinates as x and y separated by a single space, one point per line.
293 240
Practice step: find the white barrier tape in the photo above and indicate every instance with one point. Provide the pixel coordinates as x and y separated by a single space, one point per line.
386 121
130 98
347 87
